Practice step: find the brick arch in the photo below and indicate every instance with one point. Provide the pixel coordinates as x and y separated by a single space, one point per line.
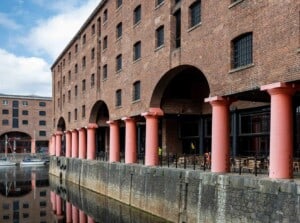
182 89
99 113
61 124
22 140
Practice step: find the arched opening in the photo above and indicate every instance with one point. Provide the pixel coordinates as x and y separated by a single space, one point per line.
61 126
100 115
185 127
15 142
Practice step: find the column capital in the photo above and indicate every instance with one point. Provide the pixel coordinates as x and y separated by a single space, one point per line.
80 129
112 122
67 131
58 133
128 119
91 126
217 100
74 130
280 88
153 112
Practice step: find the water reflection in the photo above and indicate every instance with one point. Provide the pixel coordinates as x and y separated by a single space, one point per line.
28 194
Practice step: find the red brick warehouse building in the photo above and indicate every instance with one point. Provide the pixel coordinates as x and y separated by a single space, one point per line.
223 75
25 123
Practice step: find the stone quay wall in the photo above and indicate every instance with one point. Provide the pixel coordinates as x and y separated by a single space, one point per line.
183 196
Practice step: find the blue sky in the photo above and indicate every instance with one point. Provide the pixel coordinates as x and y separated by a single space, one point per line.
32 35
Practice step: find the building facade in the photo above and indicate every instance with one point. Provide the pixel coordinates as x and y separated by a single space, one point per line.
25 123
187 76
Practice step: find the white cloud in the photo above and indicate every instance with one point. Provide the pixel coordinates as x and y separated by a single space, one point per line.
52 35
8 23
24 75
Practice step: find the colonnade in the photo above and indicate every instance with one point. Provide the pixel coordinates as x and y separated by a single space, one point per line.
281 135
73 214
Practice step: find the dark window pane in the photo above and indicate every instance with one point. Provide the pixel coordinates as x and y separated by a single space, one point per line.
242 50
160 36
195 13
137 14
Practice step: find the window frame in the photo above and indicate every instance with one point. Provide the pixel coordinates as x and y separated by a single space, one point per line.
137 50
242 51
137 15
160 36
194 14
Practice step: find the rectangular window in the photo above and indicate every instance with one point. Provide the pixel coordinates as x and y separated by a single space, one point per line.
93 54
195 13
42 104
83 85
93 29
69 56
76 68
242 50
69 76
119 30
83 111
105 15
5 102
92 80
160 36
69 95
177 16
15 104
83 39
76 90
42 133
25 112
104 42
83 62
75 114
119 3
5 122
118 98
5 112
42 113
25 103
137 14
136 91
42 122
76 48
15 113
15 123
105 72
25 205
119 62
69 117
25 122
137 50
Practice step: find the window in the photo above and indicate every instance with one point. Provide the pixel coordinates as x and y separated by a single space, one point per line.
43 213
136 91
25 122
15 113
195 13
105 72
159 2
242 50
119 62
25 205
83 62
118 98
25 112
25 103
15 123
64 98
93 29
119 30
69 95
42 113
83 111
75 114
76 90
43 193
104 42
69 76
69 57
42 104
137 50
15 104
177 16
105 15
42 133
5 122
137 14
160 36
119 3
92 80
43 204
64 80
76 68
93 54
5 102
83 85
69 117
84 39
42 122
5 112
76 48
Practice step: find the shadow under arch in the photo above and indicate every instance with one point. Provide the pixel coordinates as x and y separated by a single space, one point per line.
180 93
17 141
61 124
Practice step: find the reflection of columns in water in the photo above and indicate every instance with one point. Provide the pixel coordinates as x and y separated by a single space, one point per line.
82 143
53 201
91 141
91 220
68 212
75 214
82 217
74 152
58 205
